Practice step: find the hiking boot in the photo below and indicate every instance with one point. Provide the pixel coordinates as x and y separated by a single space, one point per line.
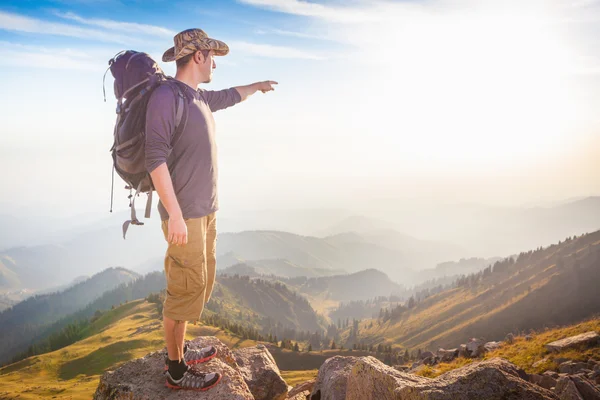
195 356
193 379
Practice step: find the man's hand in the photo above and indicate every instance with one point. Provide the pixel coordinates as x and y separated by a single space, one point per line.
177 231
265 86
249 90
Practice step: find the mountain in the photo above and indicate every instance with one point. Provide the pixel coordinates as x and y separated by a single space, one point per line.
270 304
360 285
281 268
355 223
540 288
23 322
332 253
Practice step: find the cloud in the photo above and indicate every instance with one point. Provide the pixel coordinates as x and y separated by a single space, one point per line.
267 31
20 23
304 8
49 58
129 27
271 51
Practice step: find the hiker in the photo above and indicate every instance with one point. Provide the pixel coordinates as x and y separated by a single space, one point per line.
187 188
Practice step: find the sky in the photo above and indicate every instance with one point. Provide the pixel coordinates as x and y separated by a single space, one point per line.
448 100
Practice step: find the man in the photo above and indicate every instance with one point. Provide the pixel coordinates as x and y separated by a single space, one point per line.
187 188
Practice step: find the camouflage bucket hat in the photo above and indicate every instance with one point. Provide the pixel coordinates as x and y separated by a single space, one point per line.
192 40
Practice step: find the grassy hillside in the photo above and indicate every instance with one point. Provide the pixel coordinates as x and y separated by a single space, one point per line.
127 332
549 286
27 320
525 353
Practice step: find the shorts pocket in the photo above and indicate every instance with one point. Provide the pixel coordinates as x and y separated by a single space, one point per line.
176 279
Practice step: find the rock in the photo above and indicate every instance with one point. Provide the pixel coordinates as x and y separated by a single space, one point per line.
571 367
370 379
301 391
490 346
462 350
475 348
528 338
332 378
597 367
594 376
545 381
426 354
494 379
432 360
261 373
552 374
510 338
143 378
584 340
586 388
566 390
447 355
416 364
402 368
561 360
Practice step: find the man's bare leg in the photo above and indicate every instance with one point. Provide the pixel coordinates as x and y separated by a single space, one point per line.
174 336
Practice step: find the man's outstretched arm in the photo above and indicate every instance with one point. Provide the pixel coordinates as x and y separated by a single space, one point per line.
248 90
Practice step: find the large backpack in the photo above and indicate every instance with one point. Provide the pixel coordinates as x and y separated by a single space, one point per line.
136 76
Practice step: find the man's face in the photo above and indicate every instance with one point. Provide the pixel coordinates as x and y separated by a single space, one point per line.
207 65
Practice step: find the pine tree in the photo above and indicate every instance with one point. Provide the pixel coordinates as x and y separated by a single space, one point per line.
333 345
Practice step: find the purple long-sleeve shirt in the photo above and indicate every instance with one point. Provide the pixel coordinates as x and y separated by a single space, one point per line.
193 164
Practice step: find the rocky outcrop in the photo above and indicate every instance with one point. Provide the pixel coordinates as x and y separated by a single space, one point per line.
261 373
370 379
144 378
584 340
332 378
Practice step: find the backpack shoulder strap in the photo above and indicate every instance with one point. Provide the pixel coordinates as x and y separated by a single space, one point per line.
181 107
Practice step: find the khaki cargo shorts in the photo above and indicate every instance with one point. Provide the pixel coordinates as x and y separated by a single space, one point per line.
190 270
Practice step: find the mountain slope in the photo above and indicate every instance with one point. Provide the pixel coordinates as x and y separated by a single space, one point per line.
546 287
127 332
20 324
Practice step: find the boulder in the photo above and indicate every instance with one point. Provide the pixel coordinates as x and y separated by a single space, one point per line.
490 346
332 378
566 389
475 348
594 376
447 355
586 388
425 355
301 391
462 350
510 338
370 379
572 367
584 340
261 373
552 374
144 378
494 379
545 381
528 338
